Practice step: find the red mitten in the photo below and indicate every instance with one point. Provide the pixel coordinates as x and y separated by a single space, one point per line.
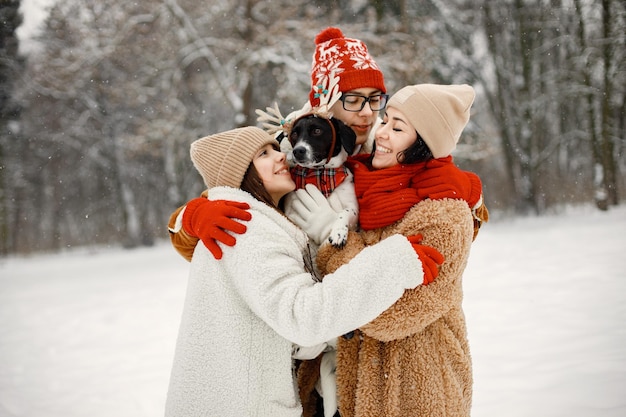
430 257
210 221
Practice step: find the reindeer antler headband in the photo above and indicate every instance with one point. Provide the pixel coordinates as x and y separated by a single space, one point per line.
328 93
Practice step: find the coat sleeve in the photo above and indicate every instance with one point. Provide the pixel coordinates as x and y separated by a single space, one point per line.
181 240
273 282
446 225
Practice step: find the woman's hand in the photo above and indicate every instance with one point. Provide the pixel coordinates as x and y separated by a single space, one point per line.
430 258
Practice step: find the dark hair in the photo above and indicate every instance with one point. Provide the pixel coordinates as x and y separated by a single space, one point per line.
417 152
253 184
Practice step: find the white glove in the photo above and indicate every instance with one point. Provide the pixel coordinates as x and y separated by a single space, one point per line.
309 209
309 352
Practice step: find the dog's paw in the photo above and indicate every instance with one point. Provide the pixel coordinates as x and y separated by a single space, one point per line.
338 236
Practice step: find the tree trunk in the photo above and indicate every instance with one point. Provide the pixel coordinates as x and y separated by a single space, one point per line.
607 156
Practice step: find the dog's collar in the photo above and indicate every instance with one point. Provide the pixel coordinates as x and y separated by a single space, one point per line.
333 141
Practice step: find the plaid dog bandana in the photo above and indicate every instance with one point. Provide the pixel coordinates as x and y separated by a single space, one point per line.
325 179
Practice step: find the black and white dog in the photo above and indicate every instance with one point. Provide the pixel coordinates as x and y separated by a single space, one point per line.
320 146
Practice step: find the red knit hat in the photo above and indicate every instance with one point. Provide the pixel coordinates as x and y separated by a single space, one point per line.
348 58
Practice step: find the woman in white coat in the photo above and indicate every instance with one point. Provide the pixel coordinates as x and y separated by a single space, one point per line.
244 313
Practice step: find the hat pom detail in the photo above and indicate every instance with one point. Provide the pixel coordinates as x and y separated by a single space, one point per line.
328 34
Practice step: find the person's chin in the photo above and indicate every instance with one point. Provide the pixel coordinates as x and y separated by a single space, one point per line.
381 161
362 132
291 186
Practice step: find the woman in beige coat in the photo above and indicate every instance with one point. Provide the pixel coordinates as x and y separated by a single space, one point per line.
414 359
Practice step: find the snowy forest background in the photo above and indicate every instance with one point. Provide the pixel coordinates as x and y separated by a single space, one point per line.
96 121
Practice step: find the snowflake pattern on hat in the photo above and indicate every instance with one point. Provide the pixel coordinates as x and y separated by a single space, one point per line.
324 72
349 59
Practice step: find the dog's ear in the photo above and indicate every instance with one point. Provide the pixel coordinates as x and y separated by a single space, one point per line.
346 135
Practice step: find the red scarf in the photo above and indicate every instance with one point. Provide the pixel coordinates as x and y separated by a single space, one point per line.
385 195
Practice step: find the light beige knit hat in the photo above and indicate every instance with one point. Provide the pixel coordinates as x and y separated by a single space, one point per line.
223 158
439 113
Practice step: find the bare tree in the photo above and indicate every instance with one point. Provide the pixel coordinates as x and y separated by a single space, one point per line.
613 46
547 100
10 66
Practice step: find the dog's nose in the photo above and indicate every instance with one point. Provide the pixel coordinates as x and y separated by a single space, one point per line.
299 153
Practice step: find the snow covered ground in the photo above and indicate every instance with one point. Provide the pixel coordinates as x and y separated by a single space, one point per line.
91 333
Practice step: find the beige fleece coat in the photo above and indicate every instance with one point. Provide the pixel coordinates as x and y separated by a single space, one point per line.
414 359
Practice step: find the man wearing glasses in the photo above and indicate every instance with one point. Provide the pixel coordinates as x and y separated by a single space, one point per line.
361 82
359 110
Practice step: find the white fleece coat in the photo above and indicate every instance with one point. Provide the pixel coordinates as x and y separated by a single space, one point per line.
243 313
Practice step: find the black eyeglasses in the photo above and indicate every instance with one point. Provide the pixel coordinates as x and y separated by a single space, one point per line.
356 102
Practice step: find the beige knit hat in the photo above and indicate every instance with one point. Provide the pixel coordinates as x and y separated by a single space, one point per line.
224 158
438 113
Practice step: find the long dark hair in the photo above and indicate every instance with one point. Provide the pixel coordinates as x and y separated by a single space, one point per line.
253 184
